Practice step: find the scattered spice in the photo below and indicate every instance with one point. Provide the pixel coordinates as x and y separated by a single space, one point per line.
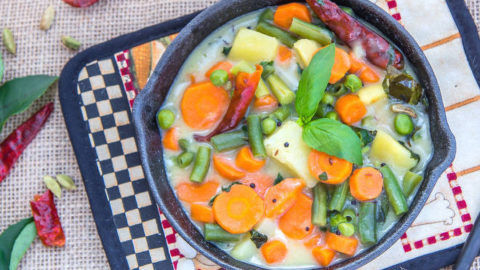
71 43
46 220
9 41
14 145
47 18
53 185
286 144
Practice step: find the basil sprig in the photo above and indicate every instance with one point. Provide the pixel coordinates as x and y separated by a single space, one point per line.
18 94
313 82
15 240
334 138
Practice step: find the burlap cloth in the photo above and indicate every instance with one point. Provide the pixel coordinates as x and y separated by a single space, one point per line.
40 52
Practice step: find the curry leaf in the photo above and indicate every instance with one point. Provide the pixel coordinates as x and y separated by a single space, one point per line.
258 238
18 94
22 243
7 240
334 138
313 82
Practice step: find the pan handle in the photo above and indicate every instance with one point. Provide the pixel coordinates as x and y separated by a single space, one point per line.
470 249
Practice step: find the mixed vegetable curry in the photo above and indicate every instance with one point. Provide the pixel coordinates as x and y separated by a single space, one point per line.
295 135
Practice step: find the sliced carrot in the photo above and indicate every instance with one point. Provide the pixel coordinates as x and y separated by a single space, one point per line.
201 213
323 255
245 160
363 70
238 210
225 65
337 170
366 184
203 105
296 223
170 140
225 169
265 103
279 198
313 240
191 192
285 13
340 66
342 244
258 181
274 251
350 108
284 53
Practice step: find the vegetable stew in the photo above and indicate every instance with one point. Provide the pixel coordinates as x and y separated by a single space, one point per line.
295 135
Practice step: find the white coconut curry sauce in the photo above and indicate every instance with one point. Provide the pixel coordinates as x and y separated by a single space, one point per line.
292 183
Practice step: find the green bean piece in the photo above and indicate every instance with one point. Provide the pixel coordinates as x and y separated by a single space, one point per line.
267 15
346 229
403 124
273 31
185 159
328 99
215 233
311 31
268 126
184 144
255 136
337 219
367 225
165 118
228 141
347 10
352 82
262 89
281 114
350 215
319 206
280 90
337 201
201 165
394 192
332 115
219 77
410 182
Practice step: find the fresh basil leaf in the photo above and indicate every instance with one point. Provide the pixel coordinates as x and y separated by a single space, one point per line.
7 240
258 238
22 243
18 94
1 67
334 138
227 188
313 82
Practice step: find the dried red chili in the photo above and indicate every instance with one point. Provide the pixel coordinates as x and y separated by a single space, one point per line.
352 32
245 87
80 3
14 145
46 220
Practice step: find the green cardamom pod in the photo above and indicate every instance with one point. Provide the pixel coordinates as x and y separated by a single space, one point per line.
66 181
47 18
53 185
9 41
71 43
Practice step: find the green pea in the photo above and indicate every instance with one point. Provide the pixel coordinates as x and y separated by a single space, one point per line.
165 118
219 77
346 229
268 126
349 215
328 99
184 144
185 159
352 82
403 124
332 115
337 219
